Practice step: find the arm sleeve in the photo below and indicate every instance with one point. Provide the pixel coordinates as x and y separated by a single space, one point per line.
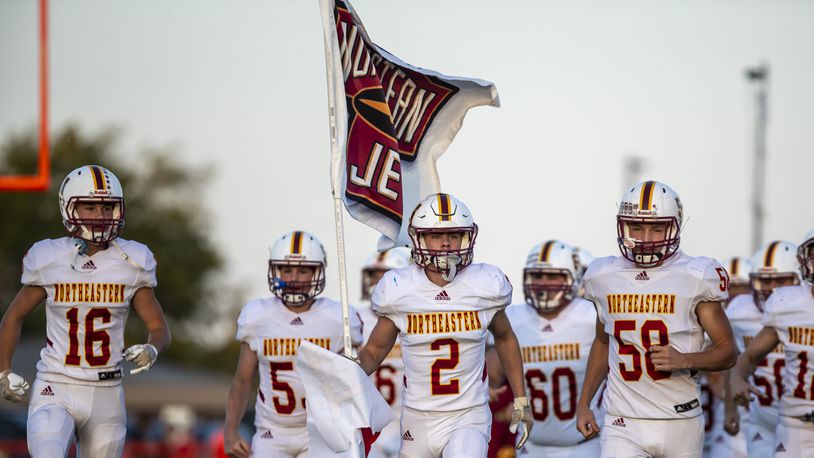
245 329
32 275
147 276
714 283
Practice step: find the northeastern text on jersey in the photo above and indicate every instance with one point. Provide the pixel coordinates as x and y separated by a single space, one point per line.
442 322
664 304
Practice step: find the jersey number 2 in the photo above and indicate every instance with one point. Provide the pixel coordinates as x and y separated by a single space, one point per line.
91 335
452 387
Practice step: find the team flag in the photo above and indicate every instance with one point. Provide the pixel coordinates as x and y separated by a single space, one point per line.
346 413
390 122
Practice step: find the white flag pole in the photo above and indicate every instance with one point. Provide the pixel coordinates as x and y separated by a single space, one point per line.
336 176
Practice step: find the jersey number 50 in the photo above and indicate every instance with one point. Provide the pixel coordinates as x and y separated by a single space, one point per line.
648 328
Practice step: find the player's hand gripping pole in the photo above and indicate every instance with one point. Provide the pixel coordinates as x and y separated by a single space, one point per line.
348 349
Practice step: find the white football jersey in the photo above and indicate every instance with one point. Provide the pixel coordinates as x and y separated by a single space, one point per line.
746 320
87 306
555 354
389 377
790 311
443 332
640 307
274 333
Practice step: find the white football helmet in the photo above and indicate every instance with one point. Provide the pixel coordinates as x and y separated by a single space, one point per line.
650 203
554 258
773 266
297 248
379 263
738 268
92 184
442 213
805 256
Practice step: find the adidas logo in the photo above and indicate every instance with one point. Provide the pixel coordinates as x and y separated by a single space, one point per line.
548 328
89 265
407 436
296 321
780 448
619 422
47 391
642 276
757 437
442 296
267 435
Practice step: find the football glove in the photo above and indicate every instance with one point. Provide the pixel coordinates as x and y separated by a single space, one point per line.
521 416
13 386
142 355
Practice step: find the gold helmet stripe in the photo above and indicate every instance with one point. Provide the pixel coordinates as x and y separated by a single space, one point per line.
99 182
768 258
444 208
734 267
646 197
296 242
545 251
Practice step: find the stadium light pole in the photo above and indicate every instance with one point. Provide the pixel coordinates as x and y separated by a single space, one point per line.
759 77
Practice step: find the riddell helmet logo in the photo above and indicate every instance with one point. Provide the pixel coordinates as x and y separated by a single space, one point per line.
642 276
442 296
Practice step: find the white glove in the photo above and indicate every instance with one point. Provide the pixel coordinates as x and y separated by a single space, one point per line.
14 387
142 355
521 415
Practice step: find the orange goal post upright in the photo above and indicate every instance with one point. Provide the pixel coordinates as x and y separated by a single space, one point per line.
42 180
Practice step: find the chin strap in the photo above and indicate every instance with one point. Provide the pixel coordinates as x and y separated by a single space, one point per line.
451 271
126 257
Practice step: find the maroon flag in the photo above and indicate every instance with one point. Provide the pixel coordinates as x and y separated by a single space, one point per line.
390 122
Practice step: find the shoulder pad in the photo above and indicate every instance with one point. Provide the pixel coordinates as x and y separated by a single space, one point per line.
599 265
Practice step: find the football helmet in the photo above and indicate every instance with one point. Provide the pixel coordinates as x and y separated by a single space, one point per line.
653 204
773 266
738 268
805 256
553 258
436 214
97 185
379 263
297 248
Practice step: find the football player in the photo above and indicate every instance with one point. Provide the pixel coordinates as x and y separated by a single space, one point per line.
555 329
657 303
788 322
721 440
441 309
269 331
773 266
388 377
89 281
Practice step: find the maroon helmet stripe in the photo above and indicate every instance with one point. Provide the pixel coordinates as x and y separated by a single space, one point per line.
647 195
768 259
98 178
546 251
733 267
296 243
443 207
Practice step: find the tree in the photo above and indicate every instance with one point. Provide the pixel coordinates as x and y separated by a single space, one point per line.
163 210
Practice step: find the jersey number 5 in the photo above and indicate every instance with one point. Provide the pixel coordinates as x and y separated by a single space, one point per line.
91 335
452 387
648 328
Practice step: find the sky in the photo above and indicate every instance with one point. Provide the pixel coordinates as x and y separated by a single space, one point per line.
583 84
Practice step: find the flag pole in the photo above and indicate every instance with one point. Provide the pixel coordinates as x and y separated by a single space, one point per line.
336 186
